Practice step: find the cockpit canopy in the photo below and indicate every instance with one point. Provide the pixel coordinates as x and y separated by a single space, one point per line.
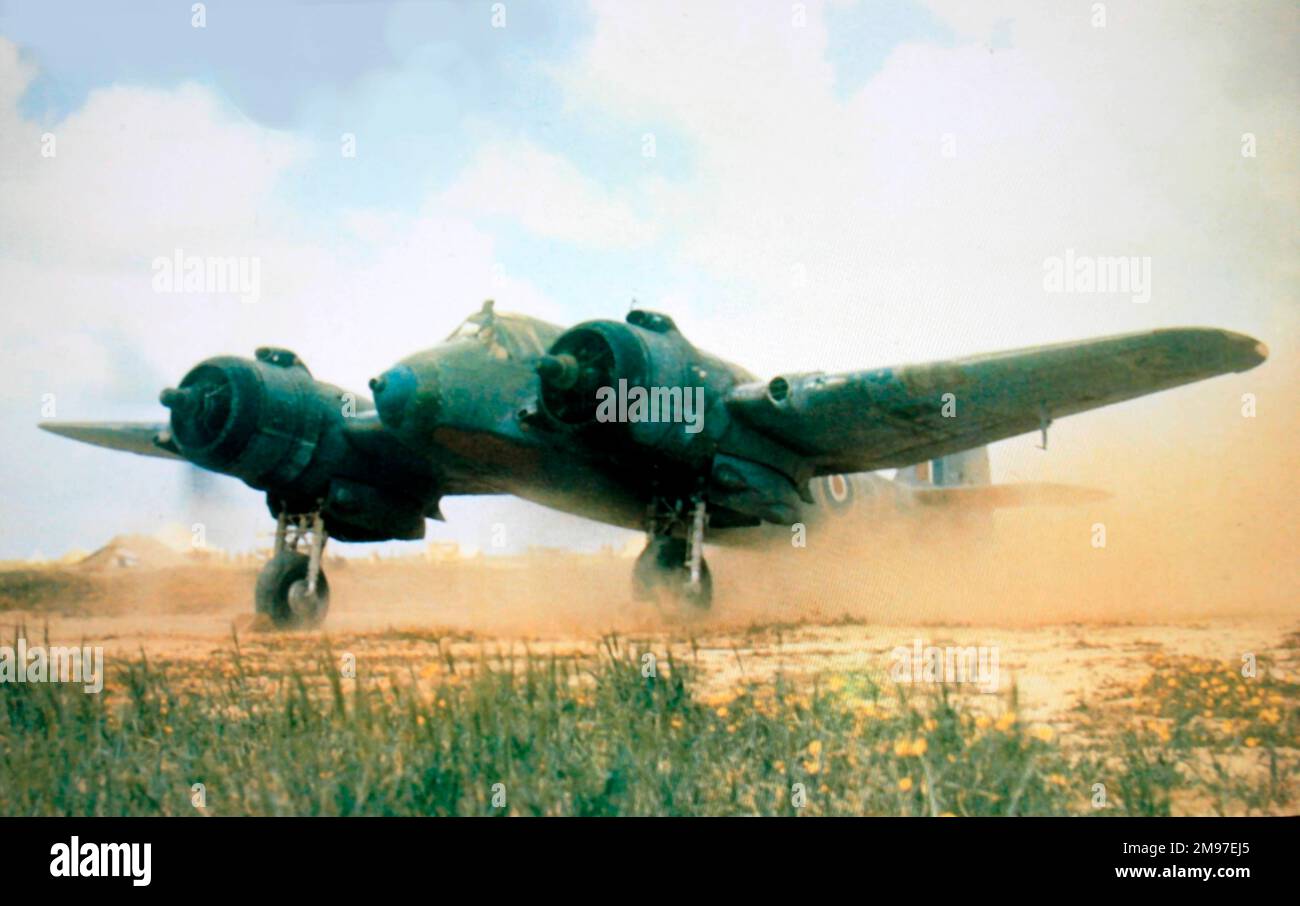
469 329
507 336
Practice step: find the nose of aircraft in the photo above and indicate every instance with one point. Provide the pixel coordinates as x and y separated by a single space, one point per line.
395 391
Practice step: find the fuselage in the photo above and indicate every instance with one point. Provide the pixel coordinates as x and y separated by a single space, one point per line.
469 406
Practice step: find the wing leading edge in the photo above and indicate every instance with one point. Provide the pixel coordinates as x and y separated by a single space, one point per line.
892 417
144 438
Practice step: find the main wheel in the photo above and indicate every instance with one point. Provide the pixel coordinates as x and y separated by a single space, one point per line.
282 592
661 572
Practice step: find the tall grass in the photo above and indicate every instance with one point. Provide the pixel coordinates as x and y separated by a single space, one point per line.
530 734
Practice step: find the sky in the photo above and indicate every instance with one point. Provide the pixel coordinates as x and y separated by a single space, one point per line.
800 185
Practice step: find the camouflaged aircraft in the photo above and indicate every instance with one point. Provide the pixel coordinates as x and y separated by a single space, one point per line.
510 404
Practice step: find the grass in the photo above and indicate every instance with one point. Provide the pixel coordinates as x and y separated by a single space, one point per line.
590 733
1198 731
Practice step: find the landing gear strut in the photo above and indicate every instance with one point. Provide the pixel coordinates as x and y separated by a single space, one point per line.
672 567
292 589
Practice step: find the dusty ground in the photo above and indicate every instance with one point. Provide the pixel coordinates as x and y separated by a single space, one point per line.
403 613
1089 650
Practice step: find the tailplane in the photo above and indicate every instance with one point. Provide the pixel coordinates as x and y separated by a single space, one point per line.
963 480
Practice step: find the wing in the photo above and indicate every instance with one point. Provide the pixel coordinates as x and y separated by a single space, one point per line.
145 438
893 417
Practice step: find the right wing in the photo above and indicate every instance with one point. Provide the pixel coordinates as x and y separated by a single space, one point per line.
893 417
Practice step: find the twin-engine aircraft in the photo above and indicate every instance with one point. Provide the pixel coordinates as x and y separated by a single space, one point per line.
629 424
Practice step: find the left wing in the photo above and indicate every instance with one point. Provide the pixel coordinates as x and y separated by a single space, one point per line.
892 417
144 438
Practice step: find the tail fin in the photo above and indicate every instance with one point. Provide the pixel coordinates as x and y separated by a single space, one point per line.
967 468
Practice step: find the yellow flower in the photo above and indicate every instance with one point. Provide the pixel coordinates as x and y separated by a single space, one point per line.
919 746
905 784
675 723
902 748
812 766
1251 742
1043 733
718 699
983 722
778 766
815 748
721 712
1006 721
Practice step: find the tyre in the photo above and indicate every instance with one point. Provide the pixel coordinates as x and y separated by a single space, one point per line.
661 574
281 592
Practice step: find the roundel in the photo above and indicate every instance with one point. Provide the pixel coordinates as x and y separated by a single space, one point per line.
839 492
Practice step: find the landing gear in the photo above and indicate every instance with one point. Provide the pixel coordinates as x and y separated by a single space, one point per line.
292 589
673 568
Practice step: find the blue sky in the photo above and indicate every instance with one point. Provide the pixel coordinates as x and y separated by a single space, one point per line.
419 84
798 210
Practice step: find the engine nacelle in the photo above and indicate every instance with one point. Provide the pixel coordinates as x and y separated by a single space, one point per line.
260 420
639 383
268 422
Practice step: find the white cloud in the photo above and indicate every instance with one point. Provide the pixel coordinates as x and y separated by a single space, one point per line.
841 226
135 172
547 195
139 173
